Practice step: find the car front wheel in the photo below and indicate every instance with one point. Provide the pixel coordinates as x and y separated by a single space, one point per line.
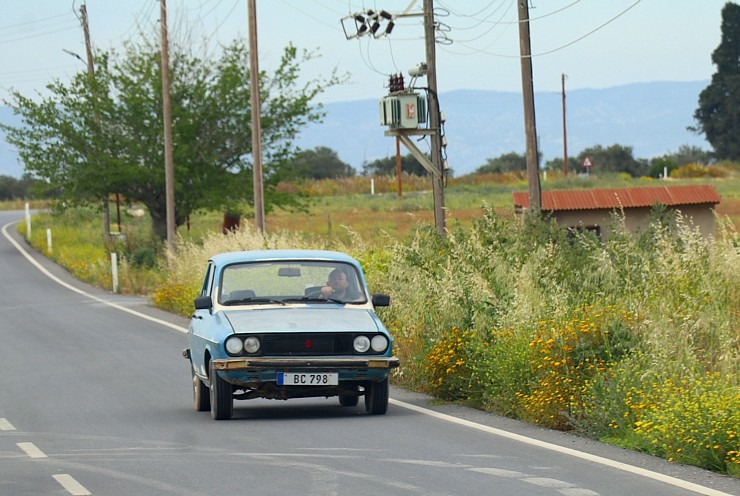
201 395
376 397
222 400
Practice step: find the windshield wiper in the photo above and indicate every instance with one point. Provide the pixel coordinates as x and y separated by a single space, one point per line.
249 301
315 299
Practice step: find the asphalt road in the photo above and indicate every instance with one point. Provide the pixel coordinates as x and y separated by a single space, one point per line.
95 399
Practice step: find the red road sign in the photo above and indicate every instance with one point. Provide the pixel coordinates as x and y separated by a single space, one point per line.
587 163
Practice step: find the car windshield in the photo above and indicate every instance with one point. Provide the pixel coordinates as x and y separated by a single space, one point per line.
292 281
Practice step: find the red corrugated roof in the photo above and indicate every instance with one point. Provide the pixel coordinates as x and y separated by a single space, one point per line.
590 199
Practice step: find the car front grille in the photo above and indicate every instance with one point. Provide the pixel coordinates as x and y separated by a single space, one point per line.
306 344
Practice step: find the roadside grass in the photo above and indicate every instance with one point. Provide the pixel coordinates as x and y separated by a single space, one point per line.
633 341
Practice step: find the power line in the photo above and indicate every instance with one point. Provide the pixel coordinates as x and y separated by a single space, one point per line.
37 21
475 50
535 18
29 37
313 17
493 24
590 32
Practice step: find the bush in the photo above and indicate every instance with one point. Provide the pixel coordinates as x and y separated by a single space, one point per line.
698 170
145 257
694 420
566 358
514 317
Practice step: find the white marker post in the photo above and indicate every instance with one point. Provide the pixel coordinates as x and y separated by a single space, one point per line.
48 240
114 270
28 223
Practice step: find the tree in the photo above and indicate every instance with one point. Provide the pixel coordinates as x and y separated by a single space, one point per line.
615 158
718 115
504 163
91 138
660 165
387 166
556 165
688 154
17 189
320 163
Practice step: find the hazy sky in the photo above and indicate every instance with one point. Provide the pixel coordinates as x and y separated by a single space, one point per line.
596 43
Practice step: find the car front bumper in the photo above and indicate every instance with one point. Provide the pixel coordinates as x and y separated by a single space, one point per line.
257 364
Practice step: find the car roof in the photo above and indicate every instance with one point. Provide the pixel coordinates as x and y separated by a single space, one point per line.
265 255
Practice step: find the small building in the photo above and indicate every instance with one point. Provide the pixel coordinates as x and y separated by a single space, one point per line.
592 209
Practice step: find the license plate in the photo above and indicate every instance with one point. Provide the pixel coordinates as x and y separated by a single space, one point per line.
307 379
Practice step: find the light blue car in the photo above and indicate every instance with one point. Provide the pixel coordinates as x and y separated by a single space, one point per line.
283 324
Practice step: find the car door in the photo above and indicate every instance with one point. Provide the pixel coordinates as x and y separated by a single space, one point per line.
199 323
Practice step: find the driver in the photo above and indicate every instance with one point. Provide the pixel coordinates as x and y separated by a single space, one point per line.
337 285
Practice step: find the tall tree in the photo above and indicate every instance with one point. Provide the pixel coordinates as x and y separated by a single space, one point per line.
690 154
718 115
614 158
504 163
320 163
90 138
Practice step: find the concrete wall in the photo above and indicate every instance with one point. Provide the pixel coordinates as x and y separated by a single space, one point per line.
635 219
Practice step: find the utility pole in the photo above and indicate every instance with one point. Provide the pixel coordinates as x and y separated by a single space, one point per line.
404 124
254 91
398 167
530 128
96 116
565 134
434 119
169 169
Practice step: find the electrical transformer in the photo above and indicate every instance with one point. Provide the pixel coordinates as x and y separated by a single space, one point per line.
403 111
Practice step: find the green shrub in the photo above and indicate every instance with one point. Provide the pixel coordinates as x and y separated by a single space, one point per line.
145 257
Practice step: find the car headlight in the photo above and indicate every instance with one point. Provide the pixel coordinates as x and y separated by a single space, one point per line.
234 345
379 343
361 344
252 344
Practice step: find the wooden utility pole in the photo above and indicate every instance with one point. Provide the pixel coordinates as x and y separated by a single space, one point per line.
398 167
254 91
434 119
530 127
169 168
96 116
565 133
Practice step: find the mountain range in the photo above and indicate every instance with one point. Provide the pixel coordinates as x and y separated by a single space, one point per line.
652 118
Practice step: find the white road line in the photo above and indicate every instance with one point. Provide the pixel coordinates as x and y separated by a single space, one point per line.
690 486
441 416
5 425
31 450
83 293
71 485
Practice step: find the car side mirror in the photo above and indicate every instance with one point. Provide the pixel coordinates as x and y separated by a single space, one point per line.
203 303
381 300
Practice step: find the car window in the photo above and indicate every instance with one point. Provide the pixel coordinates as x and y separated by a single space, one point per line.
207 281
289 280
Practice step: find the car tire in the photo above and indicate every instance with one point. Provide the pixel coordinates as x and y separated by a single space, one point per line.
376 397
349 399
221 396
201 394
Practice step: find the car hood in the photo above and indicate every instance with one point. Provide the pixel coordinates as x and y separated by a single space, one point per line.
307 319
